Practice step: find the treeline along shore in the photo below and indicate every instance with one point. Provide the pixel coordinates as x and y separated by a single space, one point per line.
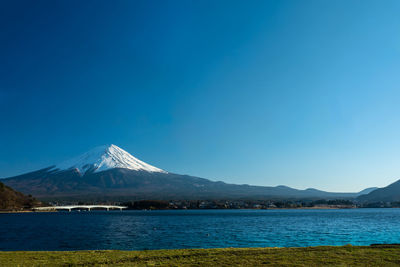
235 204
240 204
255 204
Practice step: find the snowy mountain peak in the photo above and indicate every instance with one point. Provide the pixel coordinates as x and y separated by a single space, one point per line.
104 158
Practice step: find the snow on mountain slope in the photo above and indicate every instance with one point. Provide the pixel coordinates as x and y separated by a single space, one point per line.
104 158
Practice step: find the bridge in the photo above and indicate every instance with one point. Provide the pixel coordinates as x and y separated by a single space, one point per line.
88 207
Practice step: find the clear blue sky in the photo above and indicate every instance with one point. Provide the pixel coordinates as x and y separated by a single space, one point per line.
300 93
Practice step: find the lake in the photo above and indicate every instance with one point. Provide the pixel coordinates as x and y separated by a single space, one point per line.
140 230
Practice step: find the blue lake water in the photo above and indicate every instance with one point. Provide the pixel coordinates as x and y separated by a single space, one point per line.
139 230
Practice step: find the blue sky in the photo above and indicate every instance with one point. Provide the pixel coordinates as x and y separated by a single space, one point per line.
300 93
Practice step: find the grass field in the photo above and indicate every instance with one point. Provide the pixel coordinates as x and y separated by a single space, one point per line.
310 256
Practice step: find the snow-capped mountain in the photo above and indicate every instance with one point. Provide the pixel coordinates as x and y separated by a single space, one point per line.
104 158
111 173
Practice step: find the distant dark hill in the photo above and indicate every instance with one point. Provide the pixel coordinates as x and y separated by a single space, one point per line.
125 184
13 200
390 193
367 191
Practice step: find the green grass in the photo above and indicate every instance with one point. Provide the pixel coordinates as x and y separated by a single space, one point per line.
309 256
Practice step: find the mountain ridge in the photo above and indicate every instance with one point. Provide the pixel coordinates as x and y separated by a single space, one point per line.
110 172
122 184
390 193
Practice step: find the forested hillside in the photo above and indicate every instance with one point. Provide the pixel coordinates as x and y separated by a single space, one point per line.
13 200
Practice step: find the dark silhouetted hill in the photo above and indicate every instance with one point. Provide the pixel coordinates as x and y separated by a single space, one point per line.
390 193
13 200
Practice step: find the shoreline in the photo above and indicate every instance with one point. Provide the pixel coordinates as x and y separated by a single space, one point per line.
305 208
26 211
378 245
300 208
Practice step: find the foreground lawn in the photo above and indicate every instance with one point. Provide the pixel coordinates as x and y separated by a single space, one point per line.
311 256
